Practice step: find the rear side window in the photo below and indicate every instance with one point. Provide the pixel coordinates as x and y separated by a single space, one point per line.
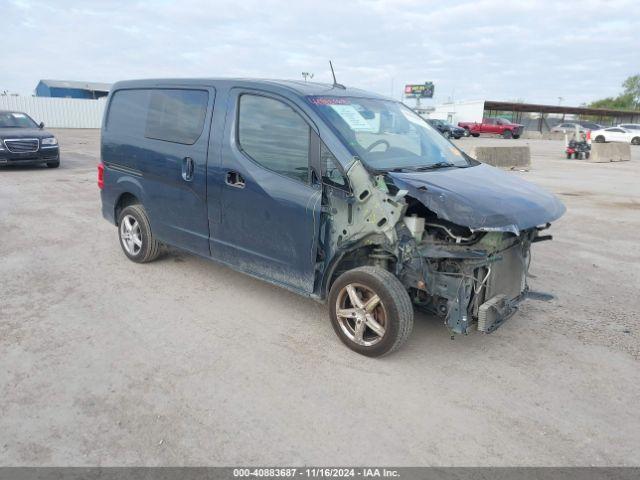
128 112
274 135
176 115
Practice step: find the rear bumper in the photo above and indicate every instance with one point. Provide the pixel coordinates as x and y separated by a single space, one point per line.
30 158
108 206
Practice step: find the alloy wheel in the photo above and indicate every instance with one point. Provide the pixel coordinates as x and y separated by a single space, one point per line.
361 314
131 235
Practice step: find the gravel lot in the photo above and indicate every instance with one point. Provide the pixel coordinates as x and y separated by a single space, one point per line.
182 361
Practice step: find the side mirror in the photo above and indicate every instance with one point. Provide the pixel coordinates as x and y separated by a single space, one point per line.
41 125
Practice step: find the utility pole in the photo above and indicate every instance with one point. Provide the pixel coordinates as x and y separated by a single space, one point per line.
307 75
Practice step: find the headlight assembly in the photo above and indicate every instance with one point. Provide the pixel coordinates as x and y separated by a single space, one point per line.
50 141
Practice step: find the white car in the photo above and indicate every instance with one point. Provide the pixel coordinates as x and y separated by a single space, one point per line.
616 134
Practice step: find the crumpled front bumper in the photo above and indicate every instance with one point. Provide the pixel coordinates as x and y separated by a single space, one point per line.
495 311
484 289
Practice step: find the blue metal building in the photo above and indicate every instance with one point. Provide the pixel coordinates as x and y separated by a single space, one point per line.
71 89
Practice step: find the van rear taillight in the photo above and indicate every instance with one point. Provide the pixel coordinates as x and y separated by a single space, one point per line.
101 176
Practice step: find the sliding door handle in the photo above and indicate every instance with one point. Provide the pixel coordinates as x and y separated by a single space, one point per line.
234 179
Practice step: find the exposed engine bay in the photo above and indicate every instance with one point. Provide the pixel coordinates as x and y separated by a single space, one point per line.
411 225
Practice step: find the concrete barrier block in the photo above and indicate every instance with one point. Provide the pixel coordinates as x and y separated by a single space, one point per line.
610 152
503 157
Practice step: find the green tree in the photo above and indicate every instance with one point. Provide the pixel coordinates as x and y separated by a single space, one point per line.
629 99
632 88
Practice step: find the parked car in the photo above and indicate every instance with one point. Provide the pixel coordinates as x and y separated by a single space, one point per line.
616 134
496 126
591 125
568 128
335 193
24 142
630 126
446 129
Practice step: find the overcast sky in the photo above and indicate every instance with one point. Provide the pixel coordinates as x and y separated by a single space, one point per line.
492 49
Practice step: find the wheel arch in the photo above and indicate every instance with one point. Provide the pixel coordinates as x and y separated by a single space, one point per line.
343 261
124 200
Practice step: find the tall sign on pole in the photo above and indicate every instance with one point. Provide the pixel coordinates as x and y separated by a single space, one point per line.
419 91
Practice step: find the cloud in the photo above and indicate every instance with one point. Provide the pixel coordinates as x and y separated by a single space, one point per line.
478 48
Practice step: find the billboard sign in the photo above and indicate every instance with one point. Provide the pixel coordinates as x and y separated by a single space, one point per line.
419 91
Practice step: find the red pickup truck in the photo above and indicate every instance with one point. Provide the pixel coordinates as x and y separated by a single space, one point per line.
495 126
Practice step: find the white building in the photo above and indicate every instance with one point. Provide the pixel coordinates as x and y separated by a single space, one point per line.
454 112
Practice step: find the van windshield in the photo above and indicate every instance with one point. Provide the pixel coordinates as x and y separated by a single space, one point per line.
386 135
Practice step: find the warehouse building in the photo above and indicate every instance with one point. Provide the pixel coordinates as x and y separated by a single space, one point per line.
71 89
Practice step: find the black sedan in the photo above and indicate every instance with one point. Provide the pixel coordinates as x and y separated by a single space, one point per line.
24 142
446 129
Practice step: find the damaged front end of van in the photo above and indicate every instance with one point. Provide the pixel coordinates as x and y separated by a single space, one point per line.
459 239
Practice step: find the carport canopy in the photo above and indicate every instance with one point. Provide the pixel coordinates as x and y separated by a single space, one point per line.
597 114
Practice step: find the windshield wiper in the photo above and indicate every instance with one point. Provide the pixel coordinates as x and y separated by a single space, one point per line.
434 166
420 168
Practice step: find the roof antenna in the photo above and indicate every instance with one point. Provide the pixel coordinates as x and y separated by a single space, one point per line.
335 83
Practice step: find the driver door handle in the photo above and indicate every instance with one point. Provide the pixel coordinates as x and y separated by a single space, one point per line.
234 179
187 169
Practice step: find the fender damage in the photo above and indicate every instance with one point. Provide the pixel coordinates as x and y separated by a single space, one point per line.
459 239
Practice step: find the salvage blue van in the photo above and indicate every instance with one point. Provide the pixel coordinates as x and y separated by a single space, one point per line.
335 193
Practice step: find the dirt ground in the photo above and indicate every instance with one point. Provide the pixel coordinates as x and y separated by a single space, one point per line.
182 361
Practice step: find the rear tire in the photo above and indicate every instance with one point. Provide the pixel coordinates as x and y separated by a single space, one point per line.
371 311
475 135
53 164
507 134
599 139
136 239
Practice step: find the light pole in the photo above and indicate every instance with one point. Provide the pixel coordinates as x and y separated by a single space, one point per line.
307 75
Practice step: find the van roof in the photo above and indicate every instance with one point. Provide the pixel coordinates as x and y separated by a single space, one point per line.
298 87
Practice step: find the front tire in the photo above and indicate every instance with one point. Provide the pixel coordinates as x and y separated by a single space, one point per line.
55 164
136 239
515 137
635 141
371 311
475 135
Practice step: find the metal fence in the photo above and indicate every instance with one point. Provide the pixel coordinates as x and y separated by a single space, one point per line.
58 112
